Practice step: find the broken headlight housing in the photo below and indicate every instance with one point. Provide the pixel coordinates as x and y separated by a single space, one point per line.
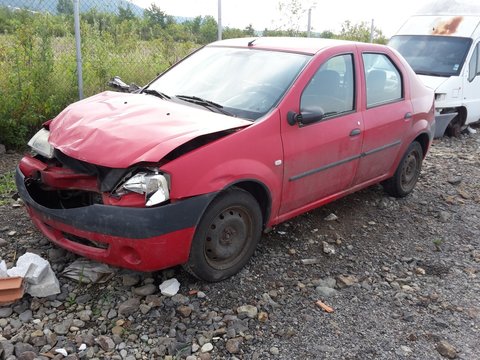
39 143
154 185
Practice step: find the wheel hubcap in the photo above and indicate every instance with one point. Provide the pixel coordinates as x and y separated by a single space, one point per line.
410 170
227 237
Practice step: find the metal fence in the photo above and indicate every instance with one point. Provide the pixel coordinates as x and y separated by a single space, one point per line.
112 37
47 58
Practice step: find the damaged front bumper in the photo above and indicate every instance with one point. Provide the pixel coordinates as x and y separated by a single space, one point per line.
138 238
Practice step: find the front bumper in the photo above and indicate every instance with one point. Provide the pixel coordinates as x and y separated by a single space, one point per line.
144 239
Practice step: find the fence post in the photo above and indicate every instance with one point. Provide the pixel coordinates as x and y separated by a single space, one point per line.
309 26
372 29
76 16
219 23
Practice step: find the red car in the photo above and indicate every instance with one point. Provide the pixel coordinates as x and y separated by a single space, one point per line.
239 136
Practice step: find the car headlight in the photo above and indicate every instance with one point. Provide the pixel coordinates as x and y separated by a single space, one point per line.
39 143
154 186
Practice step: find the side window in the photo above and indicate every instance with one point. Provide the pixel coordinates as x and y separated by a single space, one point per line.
384 83
331 89
474 65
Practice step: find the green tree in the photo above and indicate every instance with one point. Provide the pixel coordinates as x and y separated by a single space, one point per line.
327 34
155 16
294 15
361 32
208 30
65 7
125 13
232 33
249 30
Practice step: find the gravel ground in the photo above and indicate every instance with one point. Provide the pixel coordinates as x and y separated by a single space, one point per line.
401 277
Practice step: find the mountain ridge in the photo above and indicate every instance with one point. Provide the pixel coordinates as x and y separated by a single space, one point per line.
50 6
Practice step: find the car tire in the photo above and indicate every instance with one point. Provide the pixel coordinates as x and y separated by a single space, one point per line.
226 236
406 176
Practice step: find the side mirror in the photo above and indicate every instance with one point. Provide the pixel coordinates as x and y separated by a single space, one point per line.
304 118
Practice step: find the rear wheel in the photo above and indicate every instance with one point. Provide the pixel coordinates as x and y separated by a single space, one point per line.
226 236
406 176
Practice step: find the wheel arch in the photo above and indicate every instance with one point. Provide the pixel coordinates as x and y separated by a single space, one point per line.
424 140
462 114
261 194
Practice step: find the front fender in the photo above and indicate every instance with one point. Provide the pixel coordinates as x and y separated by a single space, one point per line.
253 153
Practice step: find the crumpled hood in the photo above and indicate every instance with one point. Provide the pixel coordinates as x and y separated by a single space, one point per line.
433 82
118 130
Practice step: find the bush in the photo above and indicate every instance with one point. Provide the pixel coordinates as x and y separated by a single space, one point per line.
38 64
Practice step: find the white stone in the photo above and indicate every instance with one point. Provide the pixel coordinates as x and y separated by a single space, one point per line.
250 310
170 287
331 217
206 347
48 286
61 351
30 266
3 269
328 249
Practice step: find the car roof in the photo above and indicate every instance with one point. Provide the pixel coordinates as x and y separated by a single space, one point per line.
290 44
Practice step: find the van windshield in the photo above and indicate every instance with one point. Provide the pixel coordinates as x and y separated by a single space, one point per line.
433 55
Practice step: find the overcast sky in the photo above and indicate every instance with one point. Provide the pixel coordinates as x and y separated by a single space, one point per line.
327 15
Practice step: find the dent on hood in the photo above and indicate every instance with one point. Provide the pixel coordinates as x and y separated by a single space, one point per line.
118 130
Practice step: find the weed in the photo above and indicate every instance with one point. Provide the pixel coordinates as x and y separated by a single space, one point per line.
7 187
71 300
437 243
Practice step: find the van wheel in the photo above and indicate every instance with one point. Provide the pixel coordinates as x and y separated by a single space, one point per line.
454 129
226 236
406 176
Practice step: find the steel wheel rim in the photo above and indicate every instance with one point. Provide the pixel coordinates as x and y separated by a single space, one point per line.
227 237
411 170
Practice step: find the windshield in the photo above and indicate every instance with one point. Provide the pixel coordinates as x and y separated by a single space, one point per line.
245 82
432 55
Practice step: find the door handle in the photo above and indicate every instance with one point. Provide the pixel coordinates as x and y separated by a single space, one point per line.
408 115
355 132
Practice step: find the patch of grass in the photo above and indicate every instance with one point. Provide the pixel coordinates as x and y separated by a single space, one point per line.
7 187
438 244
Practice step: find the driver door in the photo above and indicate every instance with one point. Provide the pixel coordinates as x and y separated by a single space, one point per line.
321 158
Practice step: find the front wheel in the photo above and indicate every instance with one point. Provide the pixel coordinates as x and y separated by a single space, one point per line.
406 176
454 129
226 236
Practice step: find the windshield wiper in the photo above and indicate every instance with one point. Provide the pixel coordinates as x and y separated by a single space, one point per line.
430 73
206 103
156 93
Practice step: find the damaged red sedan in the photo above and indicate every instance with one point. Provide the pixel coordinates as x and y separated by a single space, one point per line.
237 137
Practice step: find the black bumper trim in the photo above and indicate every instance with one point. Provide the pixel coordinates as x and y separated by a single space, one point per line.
126 222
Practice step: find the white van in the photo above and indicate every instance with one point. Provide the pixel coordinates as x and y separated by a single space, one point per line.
442 46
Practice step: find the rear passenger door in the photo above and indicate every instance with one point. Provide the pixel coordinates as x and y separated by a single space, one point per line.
387 115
